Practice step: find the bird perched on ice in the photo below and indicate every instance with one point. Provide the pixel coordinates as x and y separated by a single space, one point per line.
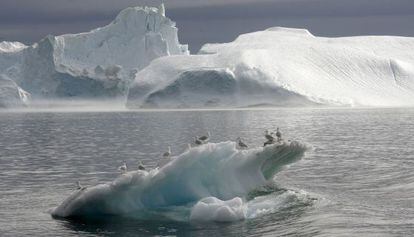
241 144
123 168
268 142
167 154
278 135
197 141
270 139
269 136
79 186
205 138
141 166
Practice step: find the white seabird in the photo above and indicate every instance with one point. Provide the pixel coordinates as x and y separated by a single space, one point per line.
205 138
123 168
278 135
197 141
241 144
167 154
269 136
79 185
141 166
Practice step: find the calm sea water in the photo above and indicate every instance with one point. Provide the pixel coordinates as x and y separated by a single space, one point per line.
359 172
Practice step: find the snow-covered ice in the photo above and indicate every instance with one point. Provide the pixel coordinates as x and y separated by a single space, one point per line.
282 66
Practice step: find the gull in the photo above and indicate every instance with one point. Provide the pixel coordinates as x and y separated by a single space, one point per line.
241 144
269 136
79 185
268 142
141 166
205 138
123 167
167 154
197 141
278 135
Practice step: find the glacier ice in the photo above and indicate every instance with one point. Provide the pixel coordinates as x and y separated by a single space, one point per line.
99 63
11 95
282 66
216 170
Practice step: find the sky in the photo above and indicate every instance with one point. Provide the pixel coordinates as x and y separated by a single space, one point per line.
211 21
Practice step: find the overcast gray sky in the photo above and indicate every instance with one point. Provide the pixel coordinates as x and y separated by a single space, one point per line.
208 21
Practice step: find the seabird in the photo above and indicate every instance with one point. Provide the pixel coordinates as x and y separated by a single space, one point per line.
240 143
123 167
141 166
278 135
167 154
205 138
268 142
78 184
269 136
197 141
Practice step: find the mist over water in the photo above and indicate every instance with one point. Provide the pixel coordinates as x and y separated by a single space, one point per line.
357 179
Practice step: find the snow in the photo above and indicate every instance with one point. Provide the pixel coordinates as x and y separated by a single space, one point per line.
99 63
11 95
216 170
282 67
11 47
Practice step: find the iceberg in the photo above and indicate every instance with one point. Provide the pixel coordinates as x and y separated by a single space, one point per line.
213 171
99 63
282 67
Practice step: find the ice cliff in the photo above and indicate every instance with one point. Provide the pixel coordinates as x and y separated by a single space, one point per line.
11 95
99 63
282 66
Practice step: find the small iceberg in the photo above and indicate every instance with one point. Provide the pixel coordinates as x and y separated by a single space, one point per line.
205 174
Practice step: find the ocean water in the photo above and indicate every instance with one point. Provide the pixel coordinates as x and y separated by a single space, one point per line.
357 179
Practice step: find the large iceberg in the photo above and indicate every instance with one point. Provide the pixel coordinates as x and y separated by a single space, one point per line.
282 66
99 63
